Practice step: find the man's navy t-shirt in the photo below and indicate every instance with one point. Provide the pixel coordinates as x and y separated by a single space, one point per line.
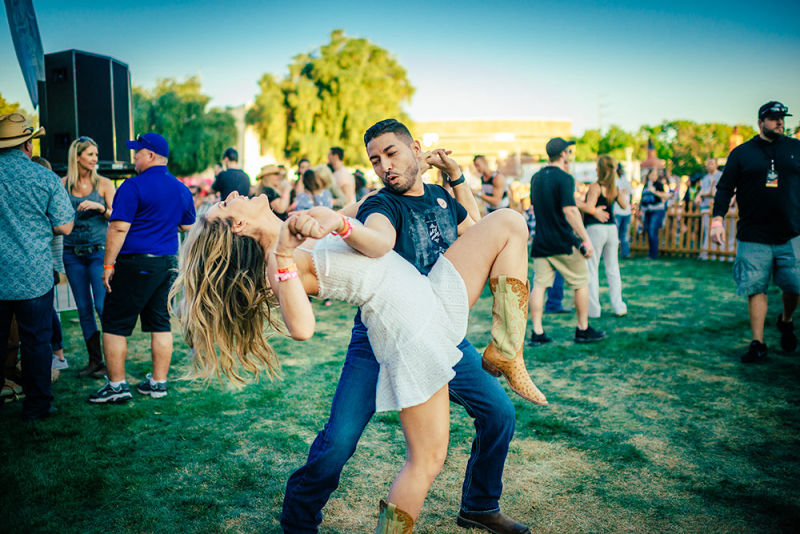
155 203
426 225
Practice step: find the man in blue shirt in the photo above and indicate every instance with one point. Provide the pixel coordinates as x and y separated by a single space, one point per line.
33 207
140 266
420 222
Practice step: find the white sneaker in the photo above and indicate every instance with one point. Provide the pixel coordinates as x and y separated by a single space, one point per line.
60 364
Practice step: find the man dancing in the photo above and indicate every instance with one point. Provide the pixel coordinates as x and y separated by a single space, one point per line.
419 222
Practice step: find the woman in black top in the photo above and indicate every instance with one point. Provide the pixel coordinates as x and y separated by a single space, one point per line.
604 236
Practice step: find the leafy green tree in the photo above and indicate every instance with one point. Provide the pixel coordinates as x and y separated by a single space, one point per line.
329 98
587 146
7 107
177 110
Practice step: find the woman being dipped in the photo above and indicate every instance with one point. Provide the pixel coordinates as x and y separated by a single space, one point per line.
240 249
91 196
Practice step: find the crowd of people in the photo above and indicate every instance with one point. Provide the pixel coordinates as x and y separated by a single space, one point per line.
413 256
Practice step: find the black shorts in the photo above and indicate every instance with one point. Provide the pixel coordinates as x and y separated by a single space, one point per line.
139 288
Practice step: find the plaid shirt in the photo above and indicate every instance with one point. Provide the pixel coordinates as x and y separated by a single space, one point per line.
32 202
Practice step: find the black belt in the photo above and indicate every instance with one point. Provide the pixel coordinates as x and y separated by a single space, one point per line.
84 250
134 256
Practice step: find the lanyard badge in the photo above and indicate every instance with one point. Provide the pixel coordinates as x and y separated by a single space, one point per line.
772 175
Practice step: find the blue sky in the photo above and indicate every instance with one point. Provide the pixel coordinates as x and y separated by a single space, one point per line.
615 63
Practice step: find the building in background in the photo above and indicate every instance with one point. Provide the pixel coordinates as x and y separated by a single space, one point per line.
509 145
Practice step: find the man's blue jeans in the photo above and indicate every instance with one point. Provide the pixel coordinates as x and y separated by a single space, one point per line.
623 223
35 323
309 488
85 276
555 294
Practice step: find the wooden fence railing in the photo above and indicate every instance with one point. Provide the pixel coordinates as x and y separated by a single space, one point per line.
682 234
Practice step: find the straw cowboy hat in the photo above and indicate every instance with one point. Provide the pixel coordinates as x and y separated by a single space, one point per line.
15 130
266 170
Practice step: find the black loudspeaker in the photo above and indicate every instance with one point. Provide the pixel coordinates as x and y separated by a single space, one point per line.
86 95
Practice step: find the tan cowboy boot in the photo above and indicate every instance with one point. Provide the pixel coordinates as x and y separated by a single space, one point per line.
393 520
504 353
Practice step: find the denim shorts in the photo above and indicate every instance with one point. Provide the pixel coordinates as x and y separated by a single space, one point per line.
757 262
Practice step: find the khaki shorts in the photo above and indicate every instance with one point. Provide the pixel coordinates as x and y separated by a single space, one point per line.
571 266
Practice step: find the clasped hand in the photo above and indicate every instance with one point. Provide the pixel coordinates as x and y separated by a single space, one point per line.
440 158
315 223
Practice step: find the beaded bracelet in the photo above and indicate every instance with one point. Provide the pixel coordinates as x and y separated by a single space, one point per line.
288 269
348 229
285 277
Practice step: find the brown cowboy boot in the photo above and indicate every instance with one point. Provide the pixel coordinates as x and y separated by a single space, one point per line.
504 353
393 520
95 368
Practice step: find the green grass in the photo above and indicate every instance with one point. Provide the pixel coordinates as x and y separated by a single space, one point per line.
657 429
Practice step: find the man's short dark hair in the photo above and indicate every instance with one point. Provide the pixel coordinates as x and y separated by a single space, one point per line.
477 157
387 126
301 160
338 152
231 154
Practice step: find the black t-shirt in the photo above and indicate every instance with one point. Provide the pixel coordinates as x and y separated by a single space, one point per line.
426 225
768 213
232 180
552 190
589 219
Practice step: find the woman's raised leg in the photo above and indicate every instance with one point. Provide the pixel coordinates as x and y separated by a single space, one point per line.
497 248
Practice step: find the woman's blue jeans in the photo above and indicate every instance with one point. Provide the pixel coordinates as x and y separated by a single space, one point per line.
309 488
653 219
85 276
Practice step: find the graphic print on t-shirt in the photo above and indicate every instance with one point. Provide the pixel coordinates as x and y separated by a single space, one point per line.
432 230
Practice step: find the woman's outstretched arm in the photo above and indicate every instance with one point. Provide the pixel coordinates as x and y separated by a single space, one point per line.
287 280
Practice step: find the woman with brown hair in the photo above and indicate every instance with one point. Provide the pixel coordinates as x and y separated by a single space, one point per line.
604 236
91 196
240 260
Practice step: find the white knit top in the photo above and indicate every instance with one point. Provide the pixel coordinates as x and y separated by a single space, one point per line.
414 322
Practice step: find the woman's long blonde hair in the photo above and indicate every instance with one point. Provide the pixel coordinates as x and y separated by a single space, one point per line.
76 149
607 176
221 297
324 176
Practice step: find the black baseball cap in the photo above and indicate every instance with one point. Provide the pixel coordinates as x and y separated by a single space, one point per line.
556 146
773 108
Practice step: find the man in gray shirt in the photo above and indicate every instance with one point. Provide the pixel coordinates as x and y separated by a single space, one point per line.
33 206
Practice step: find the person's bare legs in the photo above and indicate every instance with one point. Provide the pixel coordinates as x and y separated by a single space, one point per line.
161 346
427 430
496 245
757 309
582 307
115 349
537 309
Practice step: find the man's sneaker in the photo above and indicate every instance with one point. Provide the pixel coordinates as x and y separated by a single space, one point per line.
59 364
538 339
155 390
788 339
111 394
756 353
589 335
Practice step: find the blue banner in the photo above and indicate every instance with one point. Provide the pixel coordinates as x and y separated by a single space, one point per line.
27 43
